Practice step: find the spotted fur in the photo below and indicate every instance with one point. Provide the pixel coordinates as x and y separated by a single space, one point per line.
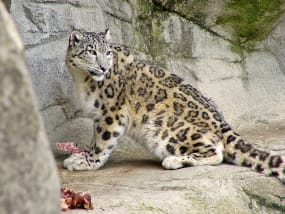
126 96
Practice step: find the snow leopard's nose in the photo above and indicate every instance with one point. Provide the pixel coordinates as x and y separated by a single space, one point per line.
103 69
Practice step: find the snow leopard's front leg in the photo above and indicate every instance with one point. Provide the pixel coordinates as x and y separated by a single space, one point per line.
107 133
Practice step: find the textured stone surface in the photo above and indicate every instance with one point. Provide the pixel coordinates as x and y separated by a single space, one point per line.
29 180
183 37
142 187
136 187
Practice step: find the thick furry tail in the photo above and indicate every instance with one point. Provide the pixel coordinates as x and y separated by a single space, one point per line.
239 152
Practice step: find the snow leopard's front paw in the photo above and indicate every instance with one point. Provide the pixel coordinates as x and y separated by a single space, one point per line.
177 162
172 162
80 161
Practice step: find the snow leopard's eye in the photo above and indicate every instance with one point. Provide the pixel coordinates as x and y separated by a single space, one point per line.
108 53
92 52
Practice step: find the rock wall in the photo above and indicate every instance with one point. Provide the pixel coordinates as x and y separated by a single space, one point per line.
29 180
244 74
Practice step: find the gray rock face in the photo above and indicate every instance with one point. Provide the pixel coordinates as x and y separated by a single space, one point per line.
248 88
29 180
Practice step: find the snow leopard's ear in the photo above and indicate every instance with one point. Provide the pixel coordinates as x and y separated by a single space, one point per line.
107 35
75 38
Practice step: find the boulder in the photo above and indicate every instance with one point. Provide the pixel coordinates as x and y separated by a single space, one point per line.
29 179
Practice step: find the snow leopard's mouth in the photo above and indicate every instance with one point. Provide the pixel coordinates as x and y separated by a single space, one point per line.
96 74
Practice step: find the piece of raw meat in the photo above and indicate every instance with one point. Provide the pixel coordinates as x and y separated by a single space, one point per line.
69 147
75 200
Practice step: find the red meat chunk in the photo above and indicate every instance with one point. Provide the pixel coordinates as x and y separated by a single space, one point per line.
75 200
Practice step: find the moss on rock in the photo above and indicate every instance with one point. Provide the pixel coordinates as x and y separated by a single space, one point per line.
265 202
190 10
149 29
247 21
251 21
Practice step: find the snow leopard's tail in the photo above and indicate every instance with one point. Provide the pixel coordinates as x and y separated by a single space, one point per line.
239 152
